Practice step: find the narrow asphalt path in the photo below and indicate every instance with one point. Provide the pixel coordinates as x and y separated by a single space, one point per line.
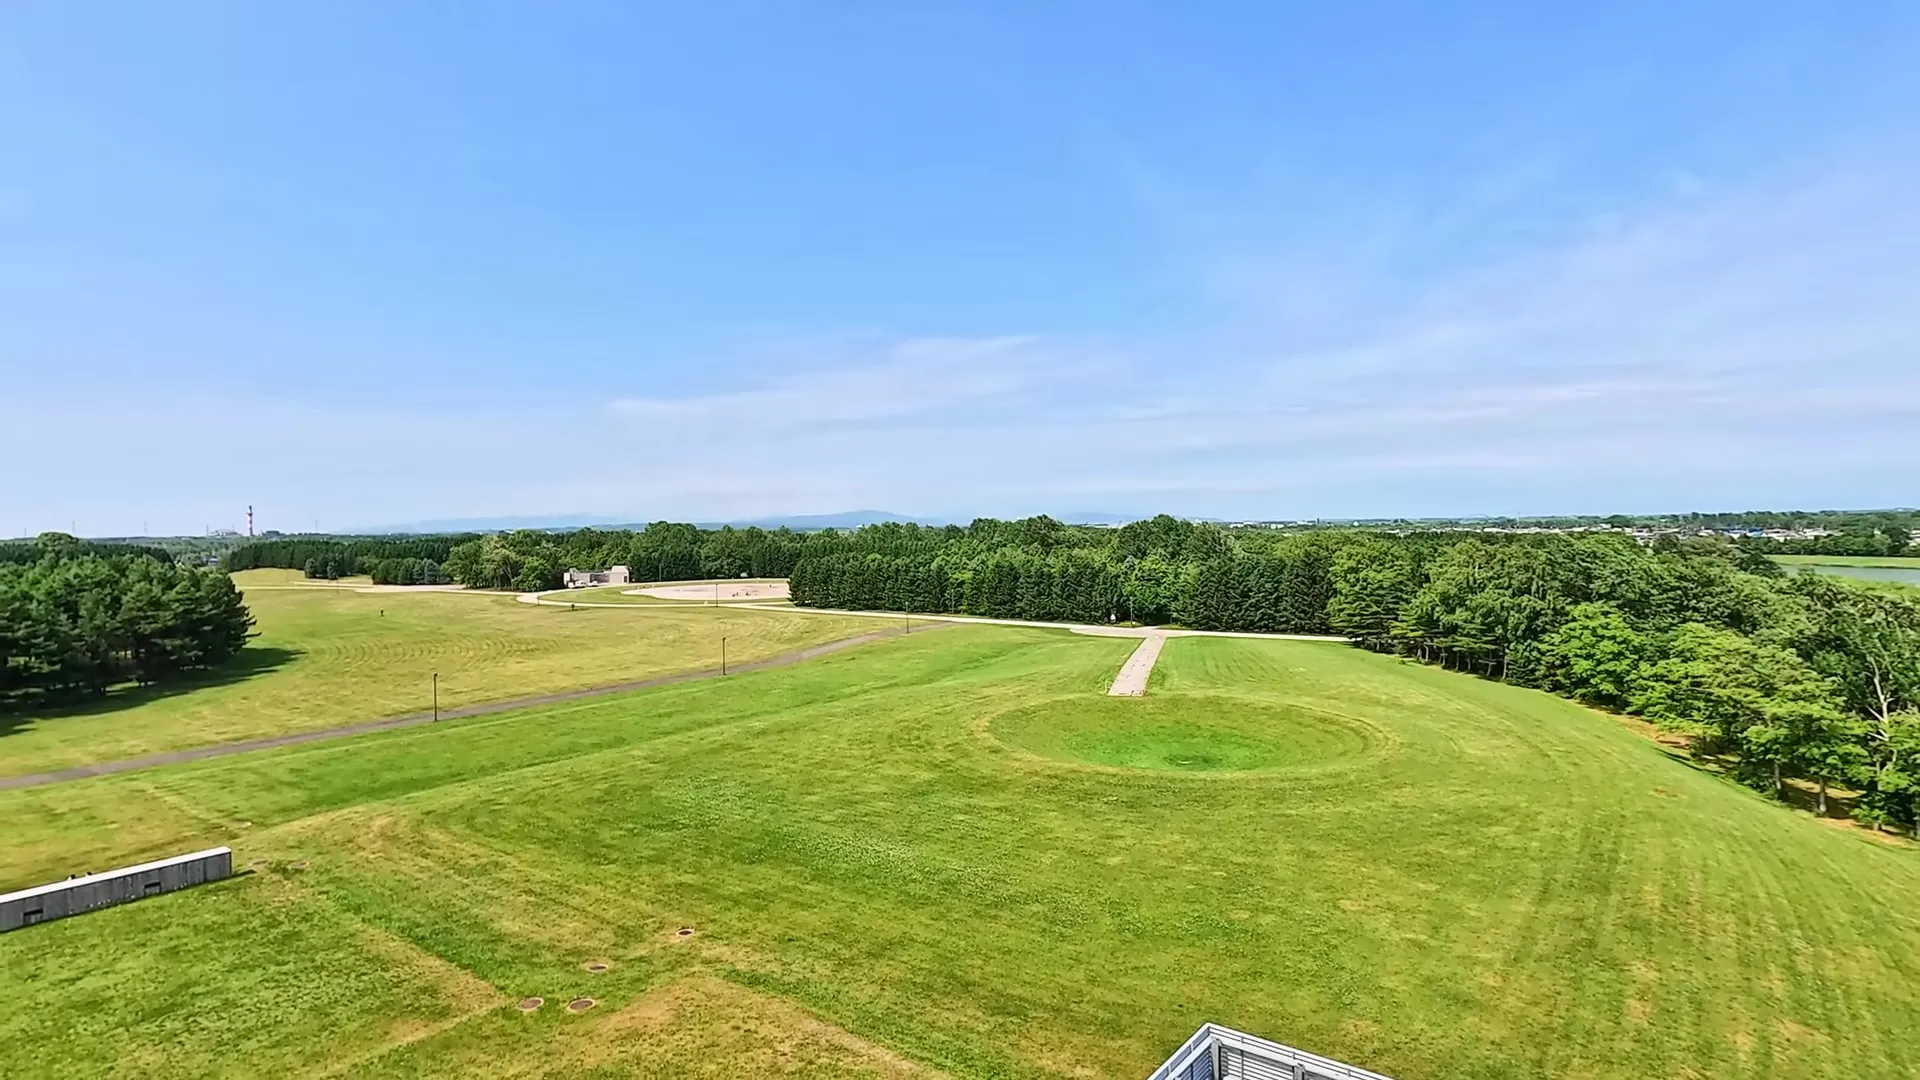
202 753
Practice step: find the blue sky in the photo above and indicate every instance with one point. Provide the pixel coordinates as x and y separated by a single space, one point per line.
367 263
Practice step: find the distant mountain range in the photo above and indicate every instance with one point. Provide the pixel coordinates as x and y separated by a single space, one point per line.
846 519
492 524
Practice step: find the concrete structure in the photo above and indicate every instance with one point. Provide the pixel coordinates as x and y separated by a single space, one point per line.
580 579
78 894
1226 1054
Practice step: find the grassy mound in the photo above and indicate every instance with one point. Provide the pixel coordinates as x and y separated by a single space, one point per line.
1185 733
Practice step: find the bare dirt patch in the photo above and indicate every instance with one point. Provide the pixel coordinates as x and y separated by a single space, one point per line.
702 1017
580 1005
722 591
528 1004
597 967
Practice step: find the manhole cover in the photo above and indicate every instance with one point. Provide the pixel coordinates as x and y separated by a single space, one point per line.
685 931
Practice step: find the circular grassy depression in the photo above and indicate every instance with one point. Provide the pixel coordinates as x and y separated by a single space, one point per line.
1181 733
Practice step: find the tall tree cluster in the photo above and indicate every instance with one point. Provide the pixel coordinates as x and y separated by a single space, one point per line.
408 572
1156 571
77 620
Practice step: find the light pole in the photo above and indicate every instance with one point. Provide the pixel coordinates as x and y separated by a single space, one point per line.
436 697
723 655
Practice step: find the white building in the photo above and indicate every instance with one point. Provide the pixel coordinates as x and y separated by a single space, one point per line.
580 579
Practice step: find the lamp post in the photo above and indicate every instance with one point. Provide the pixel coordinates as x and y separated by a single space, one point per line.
436 697
723 655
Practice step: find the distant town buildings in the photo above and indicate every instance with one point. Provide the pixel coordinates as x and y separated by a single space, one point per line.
1645 534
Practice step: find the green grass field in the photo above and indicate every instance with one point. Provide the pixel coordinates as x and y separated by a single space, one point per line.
952 853
1886 573
329 655
1878 562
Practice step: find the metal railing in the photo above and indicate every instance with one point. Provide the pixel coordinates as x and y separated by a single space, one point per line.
1223 1053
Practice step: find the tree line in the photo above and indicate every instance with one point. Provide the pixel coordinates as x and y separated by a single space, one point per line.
529 560
80 618
408 572
1780 677
32 551
337 557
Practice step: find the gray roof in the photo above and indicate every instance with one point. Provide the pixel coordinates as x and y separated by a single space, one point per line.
56 886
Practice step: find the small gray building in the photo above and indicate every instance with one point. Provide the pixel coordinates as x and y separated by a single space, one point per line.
580 579
109 887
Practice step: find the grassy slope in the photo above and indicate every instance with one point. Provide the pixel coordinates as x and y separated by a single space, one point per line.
1500 884
1881 562
329 655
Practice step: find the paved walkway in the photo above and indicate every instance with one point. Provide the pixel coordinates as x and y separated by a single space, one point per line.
201 753
1132 680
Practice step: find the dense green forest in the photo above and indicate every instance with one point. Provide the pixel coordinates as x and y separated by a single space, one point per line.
32 551
403 571
327 557
78 618
663 551
1805 677
529 560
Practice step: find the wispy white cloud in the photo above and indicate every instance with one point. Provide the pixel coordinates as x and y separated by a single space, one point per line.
914 377
1714 347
